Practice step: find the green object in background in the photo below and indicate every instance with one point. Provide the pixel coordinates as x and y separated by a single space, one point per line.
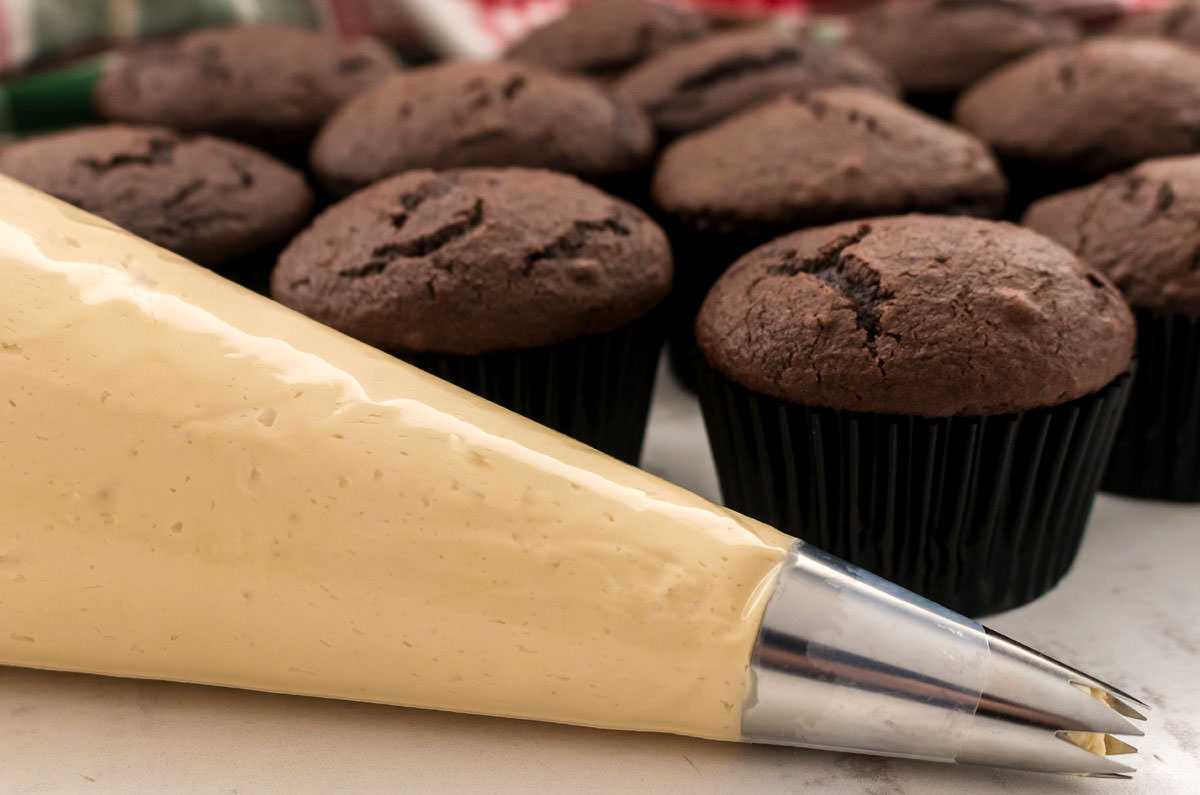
51 100
62 96
829 30
60 25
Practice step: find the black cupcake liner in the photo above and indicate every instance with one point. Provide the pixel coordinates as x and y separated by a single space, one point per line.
1030 180
939 104
1157 449
632 186
595 388
700 259
981 514
253 270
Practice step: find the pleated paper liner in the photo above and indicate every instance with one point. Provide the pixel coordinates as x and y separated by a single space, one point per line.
1157 450
253 270
981 514
1030 180
632 186
939 104
595 388
700 259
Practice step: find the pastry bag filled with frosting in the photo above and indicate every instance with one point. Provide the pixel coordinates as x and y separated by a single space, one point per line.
201 485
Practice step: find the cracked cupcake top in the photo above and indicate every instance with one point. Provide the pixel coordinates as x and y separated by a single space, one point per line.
691 86
462 114
1140 227
269 85
603 38
835 154
207 199
476 260
925 315
945 45
1094 107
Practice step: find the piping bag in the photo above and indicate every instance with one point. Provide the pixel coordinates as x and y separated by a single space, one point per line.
200 485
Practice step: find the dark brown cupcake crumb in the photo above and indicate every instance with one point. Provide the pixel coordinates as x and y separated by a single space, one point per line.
267 85
207 199
1179 22
1093 107
481 114
692 86
837 154
1140 227
476 260
945 45
925 315
604 38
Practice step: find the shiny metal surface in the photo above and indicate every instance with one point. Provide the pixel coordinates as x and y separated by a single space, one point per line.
847 661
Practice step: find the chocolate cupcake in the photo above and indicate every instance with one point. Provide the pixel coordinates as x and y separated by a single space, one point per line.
603 38
1067 115
1141 228
936 48
482 114
692 86
269 86
795 162
219 203
527 287
932 398
1179 22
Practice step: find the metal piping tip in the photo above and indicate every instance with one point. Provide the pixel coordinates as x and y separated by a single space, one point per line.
1117 699
1080 679
847 661
1030 700
1037 690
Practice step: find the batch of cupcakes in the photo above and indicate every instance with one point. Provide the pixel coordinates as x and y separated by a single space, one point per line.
810 218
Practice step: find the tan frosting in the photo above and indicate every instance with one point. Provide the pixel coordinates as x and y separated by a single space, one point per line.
201 485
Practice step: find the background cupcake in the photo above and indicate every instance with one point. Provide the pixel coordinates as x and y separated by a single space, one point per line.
932 398
270 86
482 114
804 161
527 287
693 86
1176 21
1141 228
935 48
604 38
1068 115
219 203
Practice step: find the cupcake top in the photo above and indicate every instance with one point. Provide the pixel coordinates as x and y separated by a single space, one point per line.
476 260
1179 22
481 114
925 315
945 45
837 154
1092 107
695 85
207 199
1139 227
604 38
268 85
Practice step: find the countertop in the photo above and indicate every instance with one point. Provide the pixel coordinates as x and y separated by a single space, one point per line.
1128 612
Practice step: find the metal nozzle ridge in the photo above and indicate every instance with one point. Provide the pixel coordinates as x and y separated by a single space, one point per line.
847 661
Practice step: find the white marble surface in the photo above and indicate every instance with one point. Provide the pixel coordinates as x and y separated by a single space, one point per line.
1129 612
